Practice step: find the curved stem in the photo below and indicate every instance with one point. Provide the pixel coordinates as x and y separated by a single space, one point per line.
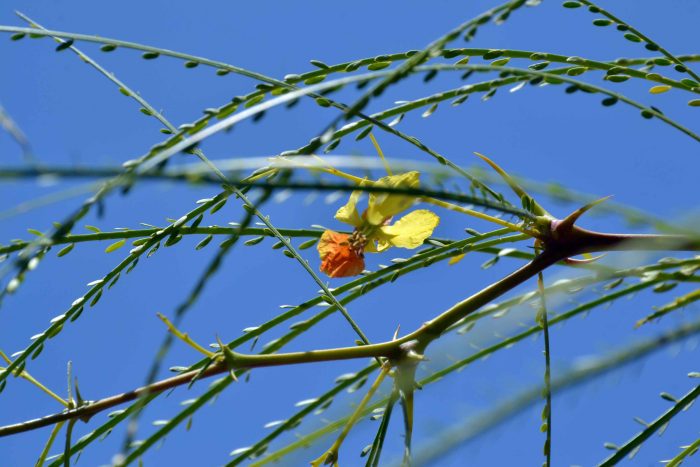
646 39
418 340
331 455
436 326
390 349
652 428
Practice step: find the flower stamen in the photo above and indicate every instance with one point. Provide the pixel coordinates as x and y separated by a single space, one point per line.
357 241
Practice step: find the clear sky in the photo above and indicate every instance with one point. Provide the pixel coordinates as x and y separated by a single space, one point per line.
75 117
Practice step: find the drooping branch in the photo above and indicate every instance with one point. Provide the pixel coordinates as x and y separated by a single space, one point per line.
86 411
393 350
561 239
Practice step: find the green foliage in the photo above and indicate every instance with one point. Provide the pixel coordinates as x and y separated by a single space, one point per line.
556 241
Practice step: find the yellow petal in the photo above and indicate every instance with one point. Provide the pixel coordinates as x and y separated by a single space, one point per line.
382 244
371 246
348 213
410 231
382 206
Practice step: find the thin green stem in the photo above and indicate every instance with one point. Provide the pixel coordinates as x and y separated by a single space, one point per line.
319 403
378 443
49 442
684 454
132 167
194 174
416 192
179 315
518 75
251 207
581 84
98 286
607 363
179 144
144 233
655 45
434 48
651 428
354 64
25 375
184 337
391 349
156 156
110 76
66 445
505 344
543 320
248 204
446 440
331 455
678 302
283 84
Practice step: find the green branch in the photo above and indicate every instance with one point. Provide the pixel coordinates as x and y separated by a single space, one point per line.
393 350
637 351
651 428
358 287
687 451
505 344
444 441
98 286
650 44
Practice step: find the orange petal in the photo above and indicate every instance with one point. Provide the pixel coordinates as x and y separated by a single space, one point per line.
337 258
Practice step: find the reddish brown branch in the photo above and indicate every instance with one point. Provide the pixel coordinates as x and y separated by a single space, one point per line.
558 245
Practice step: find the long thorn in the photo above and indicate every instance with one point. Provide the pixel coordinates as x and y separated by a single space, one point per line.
571 219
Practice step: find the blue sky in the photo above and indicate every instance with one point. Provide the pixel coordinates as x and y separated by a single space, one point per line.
75 117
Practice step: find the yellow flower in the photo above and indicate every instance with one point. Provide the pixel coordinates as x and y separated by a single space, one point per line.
342 255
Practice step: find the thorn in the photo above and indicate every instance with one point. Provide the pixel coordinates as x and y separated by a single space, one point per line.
578 262
229 359
396 333
571 219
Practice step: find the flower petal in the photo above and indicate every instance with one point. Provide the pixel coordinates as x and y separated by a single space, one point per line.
383 206
348 213
410 231
337 258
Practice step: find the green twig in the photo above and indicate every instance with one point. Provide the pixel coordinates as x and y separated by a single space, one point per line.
687 451
651 45
97 287
444 441
47 447
651 428
505 412
543 321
